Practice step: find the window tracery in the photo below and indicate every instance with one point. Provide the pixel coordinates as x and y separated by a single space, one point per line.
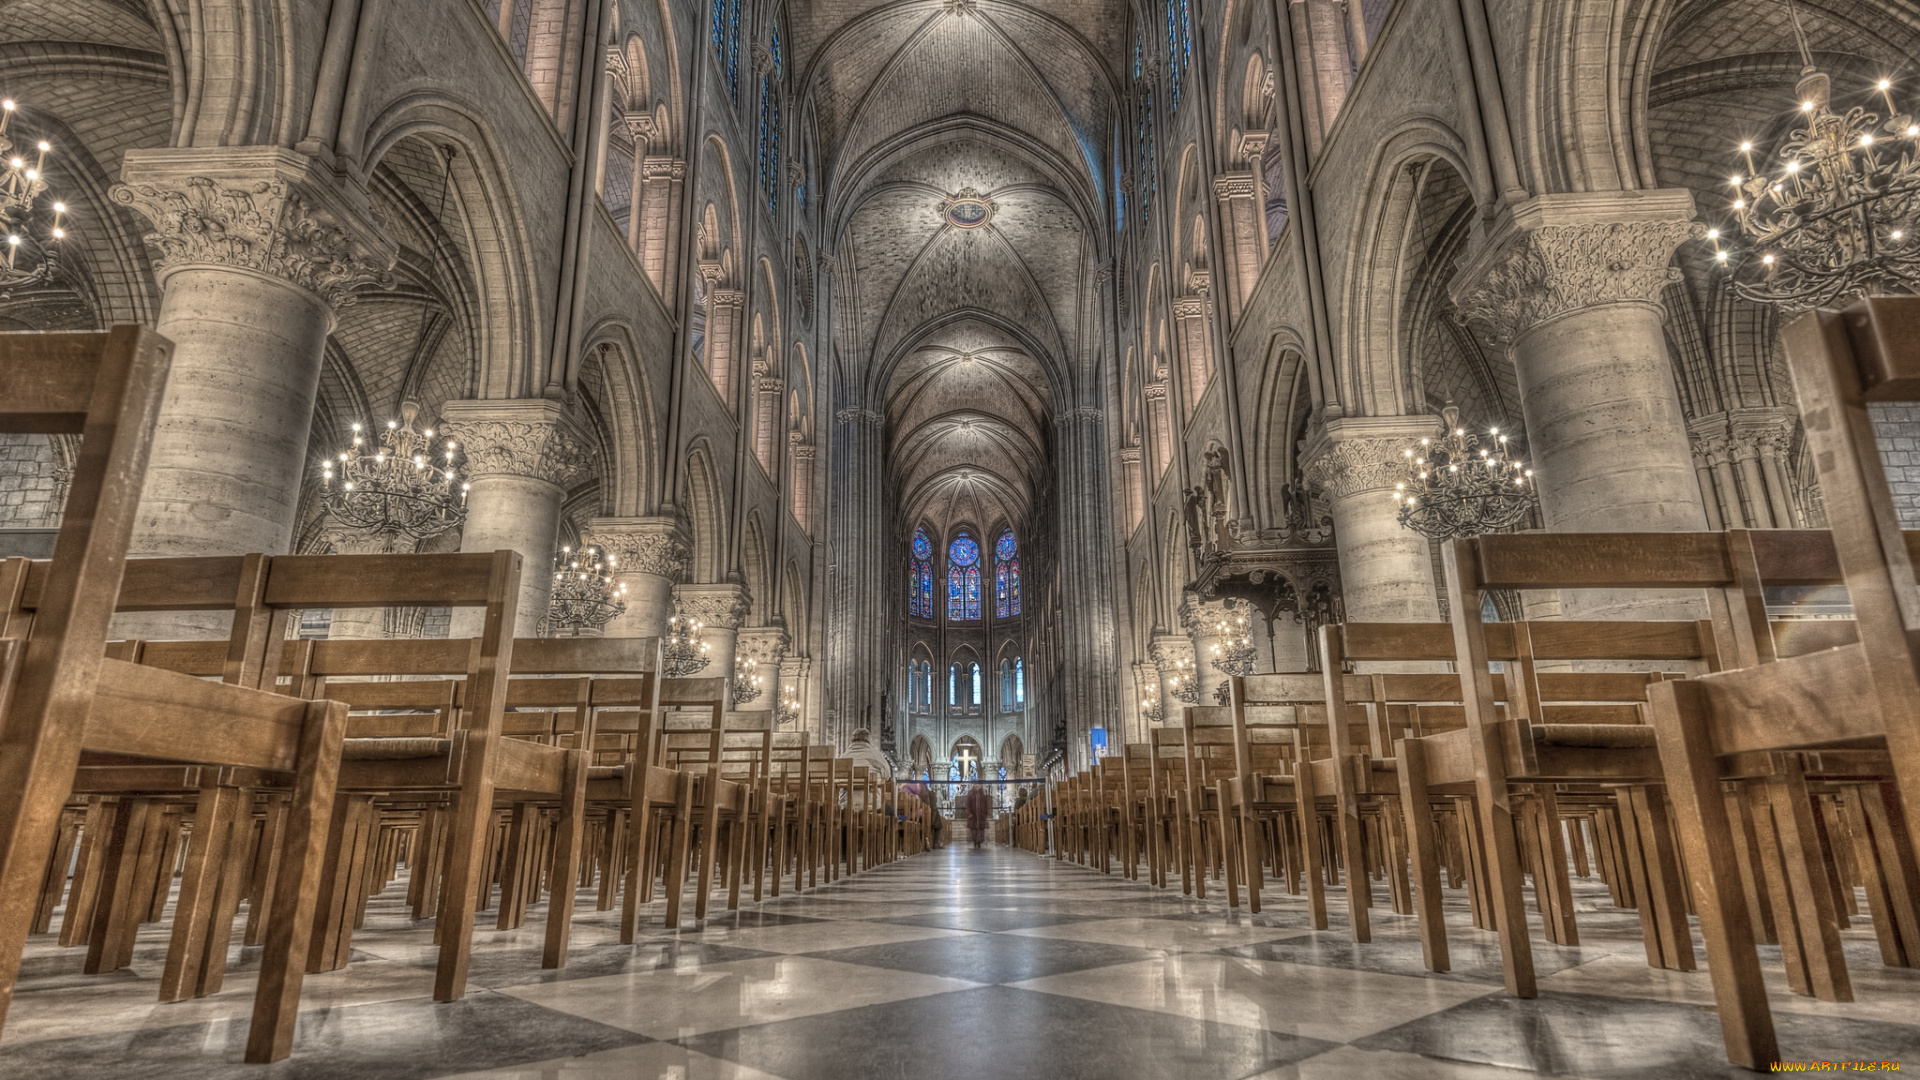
963 578
920 577
1006 576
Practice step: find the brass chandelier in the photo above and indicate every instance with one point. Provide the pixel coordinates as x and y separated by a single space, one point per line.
1458 486
747 681
403 487
585 596
1830 214
788 709
31 259
1183 684
684 648
1233 653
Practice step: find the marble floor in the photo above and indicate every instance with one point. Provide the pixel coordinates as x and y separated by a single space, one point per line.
958 963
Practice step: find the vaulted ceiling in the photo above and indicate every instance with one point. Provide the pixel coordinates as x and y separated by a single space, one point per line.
966 151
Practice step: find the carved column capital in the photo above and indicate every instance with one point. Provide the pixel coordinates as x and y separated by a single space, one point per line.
1190 307
1168 650
1253 147
1230 186
663 168
530 438
765 645
1082 415
1363 454
724 606
867 417
649 545
1558 254
723 299
260 209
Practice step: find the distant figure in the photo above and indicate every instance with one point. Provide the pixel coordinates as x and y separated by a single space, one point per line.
860 750
978 807
925 795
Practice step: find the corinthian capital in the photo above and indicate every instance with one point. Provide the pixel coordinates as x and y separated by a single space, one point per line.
723 606
650 545
1363 454
530 438
1559 254
261 209
867 417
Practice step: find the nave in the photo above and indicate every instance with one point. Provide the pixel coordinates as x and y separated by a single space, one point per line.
954 963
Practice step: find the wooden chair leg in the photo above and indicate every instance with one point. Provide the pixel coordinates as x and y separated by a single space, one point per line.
679 840
1423 853
561 880
468 833
199 887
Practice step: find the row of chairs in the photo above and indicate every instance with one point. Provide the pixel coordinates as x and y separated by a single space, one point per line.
1750 765
296 778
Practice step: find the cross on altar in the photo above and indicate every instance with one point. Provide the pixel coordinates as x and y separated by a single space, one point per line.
966 760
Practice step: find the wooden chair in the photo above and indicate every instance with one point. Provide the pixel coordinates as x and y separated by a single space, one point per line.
60 696
1859 696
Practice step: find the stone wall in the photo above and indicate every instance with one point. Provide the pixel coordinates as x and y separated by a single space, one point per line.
32 487
1898 429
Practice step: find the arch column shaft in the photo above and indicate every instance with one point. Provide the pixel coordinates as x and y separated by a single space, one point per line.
649 554
1573 283
1386 569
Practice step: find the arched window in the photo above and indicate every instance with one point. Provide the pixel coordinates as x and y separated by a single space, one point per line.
1020 681
1006 576
769 156
920 577
975 701
963 578
1006 685
726 43
1179 46
953 685
1146 182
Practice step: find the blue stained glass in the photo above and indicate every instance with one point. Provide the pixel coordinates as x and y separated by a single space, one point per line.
733 50
1020 681
922 547
1005 547
963 551
976 685
1006 576
1000 590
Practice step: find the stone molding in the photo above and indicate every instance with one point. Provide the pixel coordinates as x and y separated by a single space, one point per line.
1084 414
1189 307
868 417
801 451
655 545
1559 254
1741 434
1230 186
348 540
1130 455
267 210
529 438
1167 650
1363 454
723 606
726 298
1196 615
663 168
1253 147
764 645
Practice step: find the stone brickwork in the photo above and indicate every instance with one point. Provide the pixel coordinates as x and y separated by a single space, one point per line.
32 482
1897 427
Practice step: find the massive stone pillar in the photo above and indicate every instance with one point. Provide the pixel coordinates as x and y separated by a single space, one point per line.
1386 569
721 608
1572 284
363 622
1201 620
519 457
649 555
857 529
255 248
1173 660
1086 562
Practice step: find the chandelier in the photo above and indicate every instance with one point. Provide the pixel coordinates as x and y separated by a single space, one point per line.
788 709
30 260
1233 653
1183 684
747 683
396 489
1833 215
1150 707
1457 487
683 648
585 596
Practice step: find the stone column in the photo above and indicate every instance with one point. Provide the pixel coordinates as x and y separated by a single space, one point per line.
1386 569
659 184
1167 650
1200 619
800 482
767 646
723 330
856 529
1572 284
1196 344
520 455
721 609
362 622
1086 573
255 248
1237 193
650 554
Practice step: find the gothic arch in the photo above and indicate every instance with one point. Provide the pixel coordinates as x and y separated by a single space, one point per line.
706 515
630 487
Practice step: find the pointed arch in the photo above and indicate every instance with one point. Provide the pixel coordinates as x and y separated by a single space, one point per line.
706 514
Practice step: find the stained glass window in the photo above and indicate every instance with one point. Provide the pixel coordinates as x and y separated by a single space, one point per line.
1006 685
769 157
1006 576
1179 47
953 685
975 701
963 578
1020 681
920 577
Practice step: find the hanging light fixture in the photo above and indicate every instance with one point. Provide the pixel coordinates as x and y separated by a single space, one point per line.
747 683
684 648
585 596
1183 684
1233 652
33 241
400 484
1831 213
1457 486
1151 709
787 711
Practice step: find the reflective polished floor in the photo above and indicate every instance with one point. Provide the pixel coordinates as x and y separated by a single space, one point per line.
958 963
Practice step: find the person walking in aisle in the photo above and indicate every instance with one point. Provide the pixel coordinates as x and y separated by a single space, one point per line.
978 808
